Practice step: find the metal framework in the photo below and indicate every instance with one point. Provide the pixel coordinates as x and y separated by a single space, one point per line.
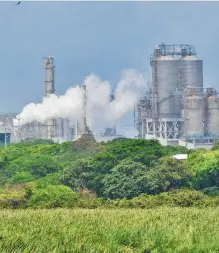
164 49
201 91
169 128
163 128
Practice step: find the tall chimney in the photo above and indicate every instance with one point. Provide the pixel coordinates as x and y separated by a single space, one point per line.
50 89
49 76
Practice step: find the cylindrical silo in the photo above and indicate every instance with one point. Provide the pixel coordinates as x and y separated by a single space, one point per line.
212 116
193 113
191 71
165 80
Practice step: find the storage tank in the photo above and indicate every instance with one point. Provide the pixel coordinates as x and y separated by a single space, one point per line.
193 113
165 80
212 115
191 71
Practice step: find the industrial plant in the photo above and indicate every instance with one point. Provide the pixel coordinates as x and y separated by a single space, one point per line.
177 109
58 130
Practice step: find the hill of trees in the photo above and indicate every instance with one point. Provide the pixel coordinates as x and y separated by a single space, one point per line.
120 173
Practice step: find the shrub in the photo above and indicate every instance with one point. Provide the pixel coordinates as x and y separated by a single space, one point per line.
21 177
211 191
90 203
185 198
50 179
52 196
13 200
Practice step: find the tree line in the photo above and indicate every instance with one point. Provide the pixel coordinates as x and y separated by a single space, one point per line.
123 172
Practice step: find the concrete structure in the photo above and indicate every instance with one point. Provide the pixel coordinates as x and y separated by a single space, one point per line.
178 110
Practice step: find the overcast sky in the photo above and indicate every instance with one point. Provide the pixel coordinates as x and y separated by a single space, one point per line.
101 37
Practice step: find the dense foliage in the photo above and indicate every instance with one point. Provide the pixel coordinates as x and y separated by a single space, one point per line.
122 172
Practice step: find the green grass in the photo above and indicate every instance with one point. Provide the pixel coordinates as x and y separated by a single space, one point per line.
163 230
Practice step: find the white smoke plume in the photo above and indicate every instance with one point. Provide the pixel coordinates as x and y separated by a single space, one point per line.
70 105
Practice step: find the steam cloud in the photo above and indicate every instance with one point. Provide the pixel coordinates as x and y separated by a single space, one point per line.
70 105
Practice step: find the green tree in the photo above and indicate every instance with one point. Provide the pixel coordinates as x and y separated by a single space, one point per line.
81 175
49 179
21 177
205 165
168 174
37 165
127 180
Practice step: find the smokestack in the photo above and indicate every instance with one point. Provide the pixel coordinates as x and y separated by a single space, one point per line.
87 133
50 89
49 76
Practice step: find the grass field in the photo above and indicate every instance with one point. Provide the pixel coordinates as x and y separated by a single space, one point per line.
164 230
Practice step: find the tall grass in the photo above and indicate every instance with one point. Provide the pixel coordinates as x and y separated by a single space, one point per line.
163 230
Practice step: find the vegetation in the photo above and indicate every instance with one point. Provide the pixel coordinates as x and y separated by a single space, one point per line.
121 173
145 200
165 230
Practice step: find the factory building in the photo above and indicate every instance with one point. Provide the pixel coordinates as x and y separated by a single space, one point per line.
177 109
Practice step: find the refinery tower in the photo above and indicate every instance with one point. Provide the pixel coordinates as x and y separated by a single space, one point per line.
177 109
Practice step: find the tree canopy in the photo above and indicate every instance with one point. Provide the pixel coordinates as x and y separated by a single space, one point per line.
119 169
